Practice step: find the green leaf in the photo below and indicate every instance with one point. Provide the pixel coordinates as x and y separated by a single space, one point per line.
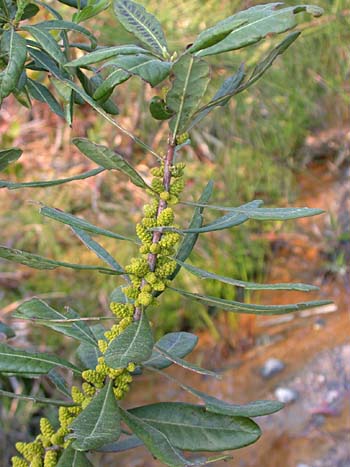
30 11
45 183
92 9
237 217
60 383
190 83
246 285
156 442
36 400
48 43
99 423
39 262
133 345
229 88
192 428
142 24
19 361
190 240
7 156
42 61
109 159
107 85
42 94
97 249
90 85
238 307
61 25
267 62
14 46
159 109
149 68
79 223
212 404
88 354
216 33
259 21
99 110
178 344
6 330
75 3
105 53
185 364
253 409
131 442
41 312
253 211
73 458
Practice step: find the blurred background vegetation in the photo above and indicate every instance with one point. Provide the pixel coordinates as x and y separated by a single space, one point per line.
253 149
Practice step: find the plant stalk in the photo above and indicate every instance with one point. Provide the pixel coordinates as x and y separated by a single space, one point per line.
157 235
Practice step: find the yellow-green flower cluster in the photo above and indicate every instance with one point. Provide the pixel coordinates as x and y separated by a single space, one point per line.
46 449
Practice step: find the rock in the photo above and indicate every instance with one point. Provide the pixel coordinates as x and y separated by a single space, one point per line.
271 367
286 395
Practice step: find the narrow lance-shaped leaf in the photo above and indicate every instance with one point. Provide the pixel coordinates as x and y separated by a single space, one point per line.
267 62
61 25
97 249
228 89
41 312
6 331
178 344
132 345
104 53
42 94
212 404
109 159
246 285
42 61
45 183
99 423
72 458
185 364
107 85
92 9
90 85
253 211
18 361
260 21
149 68
237 217
60 383
190 240
15 47
216 33
142 24
131 442
192 428
7 156
190 83
156 441
238 307
99 110
79 223
47 42
39 262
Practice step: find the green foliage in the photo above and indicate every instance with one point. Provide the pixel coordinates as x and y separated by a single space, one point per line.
110 358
